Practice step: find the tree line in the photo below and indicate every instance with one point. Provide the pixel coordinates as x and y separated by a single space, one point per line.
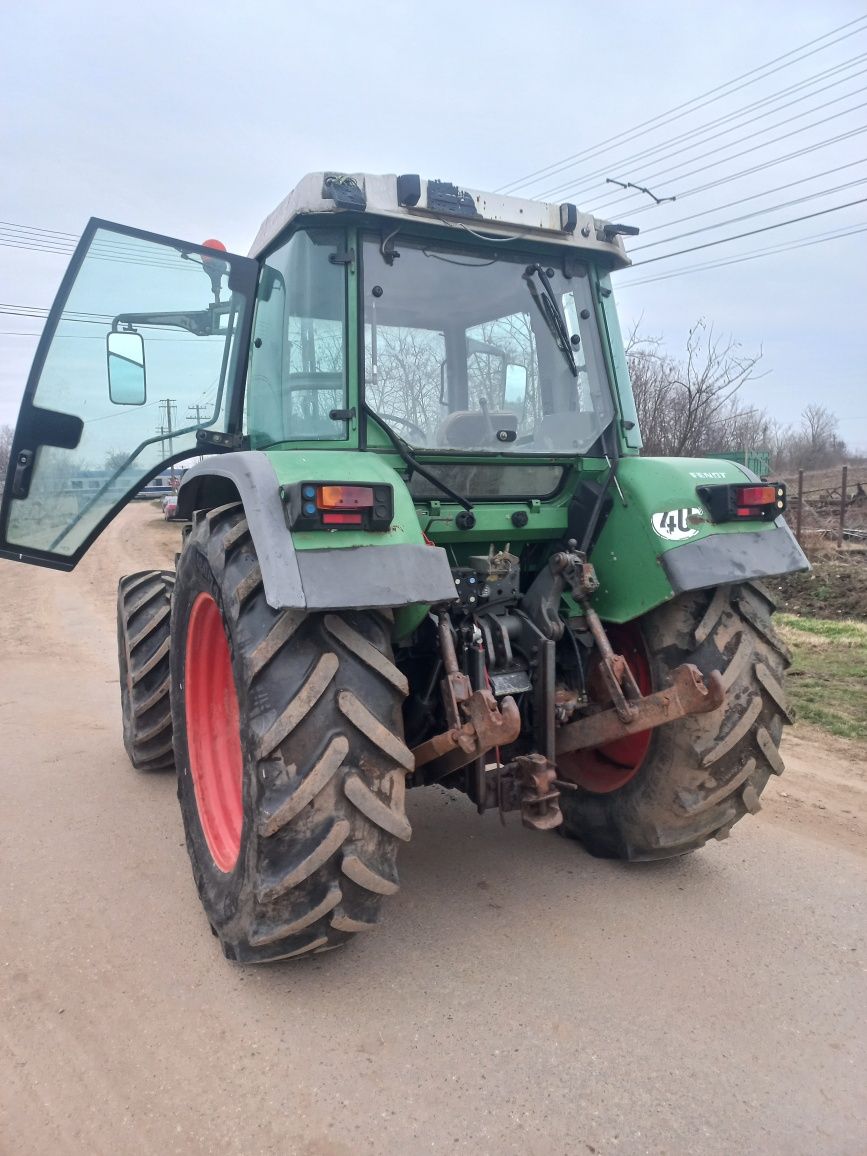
688 406
692 405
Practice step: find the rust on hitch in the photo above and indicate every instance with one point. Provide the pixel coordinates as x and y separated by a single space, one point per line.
538 798
528 784
688 694
487 726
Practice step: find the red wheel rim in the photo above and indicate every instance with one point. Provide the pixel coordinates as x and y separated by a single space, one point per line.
611 767
214 732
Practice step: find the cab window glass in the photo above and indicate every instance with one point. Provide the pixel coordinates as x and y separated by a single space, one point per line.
298 358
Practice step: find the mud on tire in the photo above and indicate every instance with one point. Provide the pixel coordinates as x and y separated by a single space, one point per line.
324 762
700 775
143 622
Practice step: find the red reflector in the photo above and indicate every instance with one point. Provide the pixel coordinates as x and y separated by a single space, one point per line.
744 511
344 497
755 495
341 519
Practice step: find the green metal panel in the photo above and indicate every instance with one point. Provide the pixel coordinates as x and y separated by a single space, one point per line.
628 553
333 465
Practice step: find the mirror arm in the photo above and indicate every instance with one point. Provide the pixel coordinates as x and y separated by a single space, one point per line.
204 323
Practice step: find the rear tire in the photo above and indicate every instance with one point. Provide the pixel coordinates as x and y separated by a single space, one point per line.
702 774
143 622
314 806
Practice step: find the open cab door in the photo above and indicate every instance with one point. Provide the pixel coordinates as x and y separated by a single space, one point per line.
141 364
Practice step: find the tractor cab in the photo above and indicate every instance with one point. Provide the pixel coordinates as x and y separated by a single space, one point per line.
385 314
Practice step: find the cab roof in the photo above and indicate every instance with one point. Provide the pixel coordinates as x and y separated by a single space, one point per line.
411 197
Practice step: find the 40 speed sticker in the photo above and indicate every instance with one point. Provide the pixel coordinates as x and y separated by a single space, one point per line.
677 525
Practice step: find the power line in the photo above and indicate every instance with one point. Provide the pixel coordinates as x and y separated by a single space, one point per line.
752 197
87 337
797 153
696 102
105 246
104 237
589 181
750 216
744 152
750 233
95 253
805 242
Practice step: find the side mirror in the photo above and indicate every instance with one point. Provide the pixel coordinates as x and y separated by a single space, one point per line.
126 368
515 393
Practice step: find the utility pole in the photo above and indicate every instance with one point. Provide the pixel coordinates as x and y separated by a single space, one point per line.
168 407
195 409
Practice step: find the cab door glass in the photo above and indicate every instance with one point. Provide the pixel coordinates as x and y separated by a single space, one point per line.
142 356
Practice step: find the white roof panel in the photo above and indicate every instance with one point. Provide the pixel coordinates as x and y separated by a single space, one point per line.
496 214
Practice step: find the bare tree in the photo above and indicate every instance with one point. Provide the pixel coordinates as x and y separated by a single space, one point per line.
815 445
692 406
116 459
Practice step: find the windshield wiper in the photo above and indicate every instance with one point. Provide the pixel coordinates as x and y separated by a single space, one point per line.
550 310
406 453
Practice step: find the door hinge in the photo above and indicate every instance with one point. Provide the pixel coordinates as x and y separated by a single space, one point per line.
342 414
342 257
20 478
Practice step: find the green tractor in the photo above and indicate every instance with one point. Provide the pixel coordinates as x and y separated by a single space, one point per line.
420 545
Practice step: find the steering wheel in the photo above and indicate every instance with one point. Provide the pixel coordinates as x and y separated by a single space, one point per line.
417 431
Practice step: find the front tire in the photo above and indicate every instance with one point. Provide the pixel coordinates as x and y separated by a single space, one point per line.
290 754
701 775
143 618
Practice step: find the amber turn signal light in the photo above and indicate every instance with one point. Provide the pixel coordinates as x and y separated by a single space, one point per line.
344 497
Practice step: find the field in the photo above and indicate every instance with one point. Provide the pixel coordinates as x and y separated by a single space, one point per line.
828 678
822 498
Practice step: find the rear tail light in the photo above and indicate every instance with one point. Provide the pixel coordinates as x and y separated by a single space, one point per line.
332 519
762 503
338 505
755 495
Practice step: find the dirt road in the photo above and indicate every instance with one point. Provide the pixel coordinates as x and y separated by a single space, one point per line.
520 998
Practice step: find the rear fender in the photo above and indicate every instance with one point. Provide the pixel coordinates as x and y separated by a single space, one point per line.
659 541
395 569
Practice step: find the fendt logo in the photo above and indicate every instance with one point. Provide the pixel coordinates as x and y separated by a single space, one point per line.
676 525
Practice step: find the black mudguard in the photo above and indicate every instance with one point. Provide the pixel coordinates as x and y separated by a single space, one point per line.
724 558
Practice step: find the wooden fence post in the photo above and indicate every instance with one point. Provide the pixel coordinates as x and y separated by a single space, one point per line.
799 516
842 508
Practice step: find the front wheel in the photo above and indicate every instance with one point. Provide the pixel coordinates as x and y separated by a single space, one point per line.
666 792
144 603
290 754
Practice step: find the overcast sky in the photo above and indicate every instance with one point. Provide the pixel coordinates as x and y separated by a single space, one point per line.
195 119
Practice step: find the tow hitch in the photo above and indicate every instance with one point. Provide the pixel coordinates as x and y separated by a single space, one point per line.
688 694
479 725
631 712
476 723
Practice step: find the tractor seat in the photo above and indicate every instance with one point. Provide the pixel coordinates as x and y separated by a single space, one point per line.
470 428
